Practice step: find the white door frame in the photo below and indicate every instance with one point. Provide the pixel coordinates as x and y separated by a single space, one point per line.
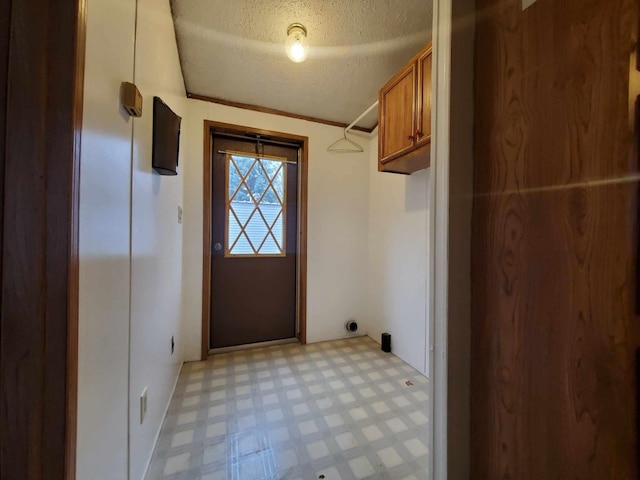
438 223
450 234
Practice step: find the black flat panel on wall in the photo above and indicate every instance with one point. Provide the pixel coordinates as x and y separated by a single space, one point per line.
166 138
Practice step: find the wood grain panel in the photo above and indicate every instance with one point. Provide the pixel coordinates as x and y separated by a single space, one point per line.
5 30
411 162
397 115
206 239
303 202
42 60
424 97
273 111
403 146
554 330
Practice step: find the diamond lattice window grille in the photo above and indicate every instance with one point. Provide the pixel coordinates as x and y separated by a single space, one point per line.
255 205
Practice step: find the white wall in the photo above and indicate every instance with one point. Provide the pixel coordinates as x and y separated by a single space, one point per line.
398 233
105 177
130 241
156 261
337 223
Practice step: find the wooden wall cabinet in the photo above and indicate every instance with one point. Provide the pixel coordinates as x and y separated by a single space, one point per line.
404 118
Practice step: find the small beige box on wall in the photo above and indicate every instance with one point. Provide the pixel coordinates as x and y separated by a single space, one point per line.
131 99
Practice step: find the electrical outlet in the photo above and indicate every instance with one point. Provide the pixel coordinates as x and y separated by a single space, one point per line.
179 214
173 345
143 404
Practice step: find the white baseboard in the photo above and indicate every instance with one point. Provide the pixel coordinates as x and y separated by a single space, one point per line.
164 416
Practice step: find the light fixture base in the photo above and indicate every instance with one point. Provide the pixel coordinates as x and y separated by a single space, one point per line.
294 26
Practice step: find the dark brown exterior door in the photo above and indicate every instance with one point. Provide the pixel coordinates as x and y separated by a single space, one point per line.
254 242
555 235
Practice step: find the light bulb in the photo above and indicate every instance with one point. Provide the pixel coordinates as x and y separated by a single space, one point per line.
297 52
296 46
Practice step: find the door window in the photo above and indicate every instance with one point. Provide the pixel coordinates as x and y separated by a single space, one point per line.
255 199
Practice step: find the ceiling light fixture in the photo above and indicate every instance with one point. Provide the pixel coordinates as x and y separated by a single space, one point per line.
296 45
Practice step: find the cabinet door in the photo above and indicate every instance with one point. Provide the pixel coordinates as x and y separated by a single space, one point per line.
423 134
397 115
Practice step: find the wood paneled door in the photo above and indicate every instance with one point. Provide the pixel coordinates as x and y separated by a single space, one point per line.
423 130
397 107
41 91
555 239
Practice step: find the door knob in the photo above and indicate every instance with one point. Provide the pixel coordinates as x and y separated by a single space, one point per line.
217 247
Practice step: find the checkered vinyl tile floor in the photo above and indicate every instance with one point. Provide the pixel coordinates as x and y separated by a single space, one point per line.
335 410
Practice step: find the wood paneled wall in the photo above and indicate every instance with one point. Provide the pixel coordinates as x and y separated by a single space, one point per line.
41 81
555 236
5 15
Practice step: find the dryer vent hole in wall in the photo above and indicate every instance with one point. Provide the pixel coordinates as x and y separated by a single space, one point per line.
351 326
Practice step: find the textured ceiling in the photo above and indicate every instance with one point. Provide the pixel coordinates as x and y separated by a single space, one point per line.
234 50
